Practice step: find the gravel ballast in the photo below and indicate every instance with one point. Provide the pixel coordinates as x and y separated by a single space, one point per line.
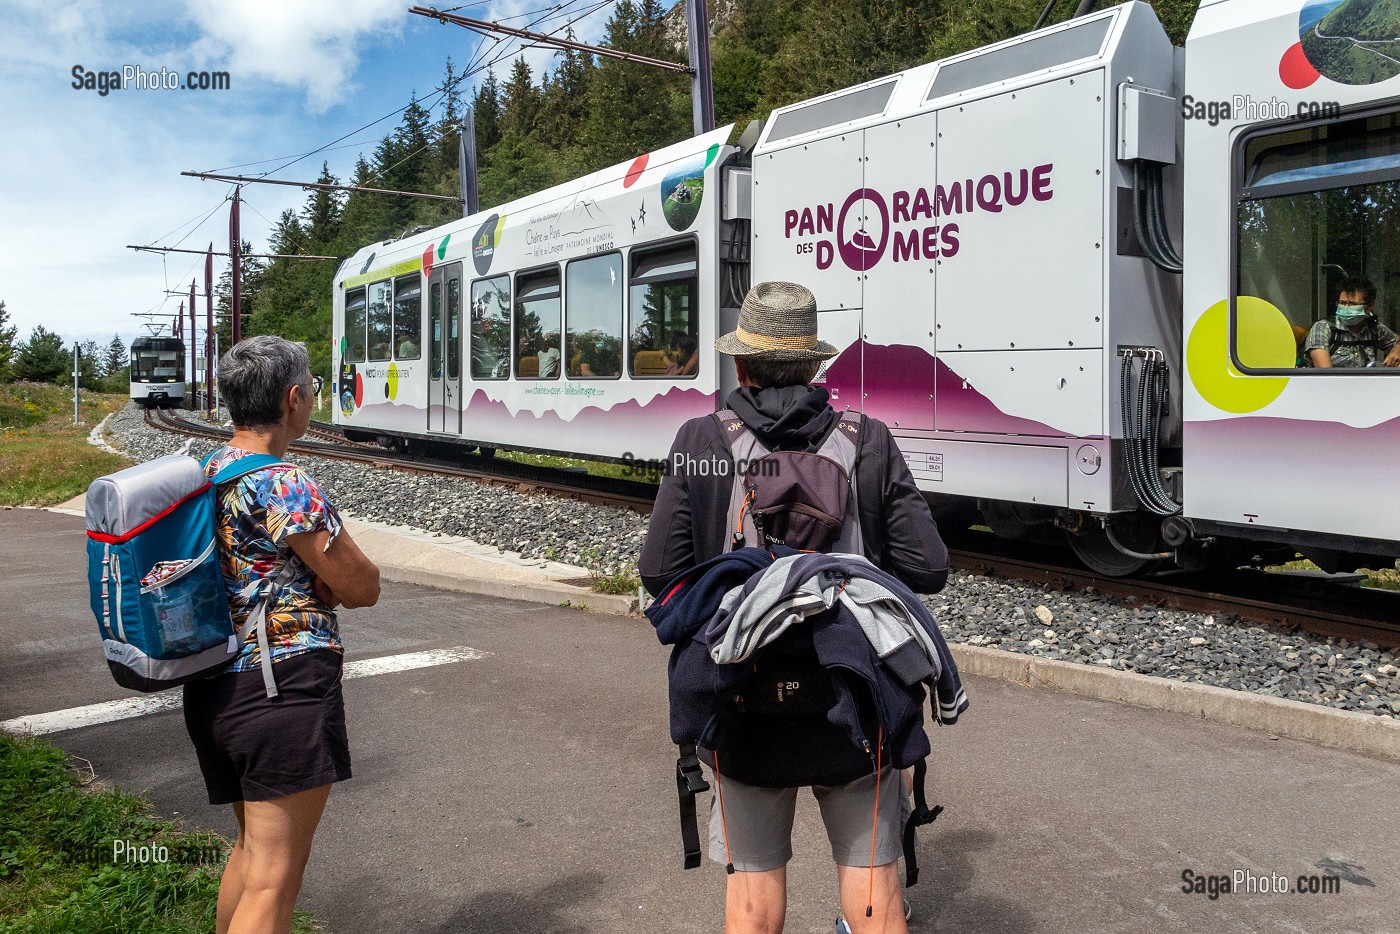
1084 627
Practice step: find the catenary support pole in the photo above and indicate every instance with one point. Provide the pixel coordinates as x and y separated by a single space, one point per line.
466 164
235 244
702 91
209 330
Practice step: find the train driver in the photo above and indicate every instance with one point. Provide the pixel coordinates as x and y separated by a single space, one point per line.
1352 337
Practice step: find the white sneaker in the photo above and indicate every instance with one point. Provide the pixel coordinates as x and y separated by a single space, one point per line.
843 928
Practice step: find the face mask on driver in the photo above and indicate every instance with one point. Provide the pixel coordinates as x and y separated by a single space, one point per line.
1351 314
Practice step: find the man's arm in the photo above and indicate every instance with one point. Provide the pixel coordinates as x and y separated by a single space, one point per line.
911 548
669 547
1315 345
1388 337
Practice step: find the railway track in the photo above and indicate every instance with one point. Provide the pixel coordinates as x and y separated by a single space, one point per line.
1280 600
526 478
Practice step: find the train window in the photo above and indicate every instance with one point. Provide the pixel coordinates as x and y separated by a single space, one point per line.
665 316
379 321
593 311
355 326
454 328
537 324
1319 240
157 360
491 328
408 317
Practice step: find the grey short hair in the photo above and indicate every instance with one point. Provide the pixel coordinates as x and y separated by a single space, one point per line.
778 373
254 377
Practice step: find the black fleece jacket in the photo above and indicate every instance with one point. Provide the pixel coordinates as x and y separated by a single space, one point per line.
689 518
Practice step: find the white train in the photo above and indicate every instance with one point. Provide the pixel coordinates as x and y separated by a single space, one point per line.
158 372
995 242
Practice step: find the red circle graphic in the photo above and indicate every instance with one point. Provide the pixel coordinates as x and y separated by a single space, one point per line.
635 171
1294 68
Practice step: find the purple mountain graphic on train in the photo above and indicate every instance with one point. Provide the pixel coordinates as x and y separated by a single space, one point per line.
906 388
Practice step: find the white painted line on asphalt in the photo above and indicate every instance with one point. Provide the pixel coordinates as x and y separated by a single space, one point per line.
408 661
128 707
93 714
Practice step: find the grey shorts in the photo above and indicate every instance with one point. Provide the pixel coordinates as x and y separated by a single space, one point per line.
759 821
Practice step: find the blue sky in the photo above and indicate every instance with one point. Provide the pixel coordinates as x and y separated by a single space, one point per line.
83 175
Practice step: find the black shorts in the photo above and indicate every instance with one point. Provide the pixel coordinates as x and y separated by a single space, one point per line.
255 748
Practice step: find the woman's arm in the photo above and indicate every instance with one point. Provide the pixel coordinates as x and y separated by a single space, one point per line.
343 566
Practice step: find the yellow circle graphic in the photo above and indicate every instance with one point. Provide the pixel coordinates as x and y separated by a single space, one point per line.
393 381
1265 341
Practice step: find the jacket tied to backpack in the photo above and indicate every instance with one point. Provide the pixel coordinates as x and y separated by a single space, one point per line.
865 625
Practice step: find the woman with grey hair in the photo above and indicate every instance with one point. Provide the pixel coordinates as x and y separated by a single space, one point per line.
272 742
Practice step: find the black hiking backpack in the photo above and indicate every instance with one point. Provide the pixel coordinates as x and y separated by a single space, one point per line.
804 499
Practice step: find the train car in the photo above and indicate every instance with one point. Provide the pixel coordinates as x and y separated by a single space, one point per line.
996 243
572 321
158 372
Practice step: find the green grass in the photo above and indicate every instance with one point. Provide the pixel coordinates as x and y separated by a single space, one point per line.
596 468
624 580
57 872
1378 578
44 457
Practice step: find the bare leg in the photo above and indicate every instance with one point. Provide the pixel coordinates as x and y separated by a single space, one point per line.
276 842
756 902
888 902
231 882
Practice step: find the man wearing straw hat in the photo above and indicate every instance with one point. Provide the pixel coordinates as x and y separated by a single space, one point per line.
777 354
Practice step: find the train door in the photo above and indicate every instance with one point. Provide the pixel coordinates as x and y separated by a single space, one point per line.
445 346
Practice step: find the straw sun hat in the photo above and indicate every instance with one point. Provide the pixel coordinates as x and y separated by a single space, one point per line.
778 322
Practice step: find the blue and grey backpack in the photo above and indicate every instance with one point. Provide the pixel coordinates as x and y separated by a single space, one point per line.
153 573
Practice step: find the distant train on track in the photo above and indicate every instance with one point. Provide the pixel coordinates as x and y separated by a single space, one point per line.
158 372
993 243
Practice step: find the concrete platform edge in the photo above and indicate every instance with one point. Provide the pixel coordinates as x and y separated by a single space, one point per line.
540 592
1365 734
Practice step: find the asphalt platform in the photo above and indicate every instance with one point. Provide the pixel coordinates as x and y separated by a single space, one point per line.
526 785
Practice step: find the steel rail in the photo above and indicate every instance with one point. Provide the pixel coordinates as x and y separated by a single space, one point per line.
1353 613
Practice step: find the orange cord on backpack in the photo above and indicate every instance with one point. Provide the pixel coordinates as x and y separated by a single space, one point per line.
874 826
749 498
724 828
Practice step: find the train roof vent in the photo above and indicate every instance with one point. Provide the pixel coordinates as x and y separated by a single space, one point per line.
1030 55
830 111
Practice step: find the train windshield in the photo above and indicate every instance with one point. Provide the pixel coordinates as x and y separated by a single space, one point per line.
1319 240
154 364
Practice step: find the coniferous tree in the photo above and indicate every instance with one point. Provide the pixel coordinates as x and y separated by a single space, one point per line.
632 109
486 109
7 344
90 371
115 358
42 358
252 270
520 102
320 219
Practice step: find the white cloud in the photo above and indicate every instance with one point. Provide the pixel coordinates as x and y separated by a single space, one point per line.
311 44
